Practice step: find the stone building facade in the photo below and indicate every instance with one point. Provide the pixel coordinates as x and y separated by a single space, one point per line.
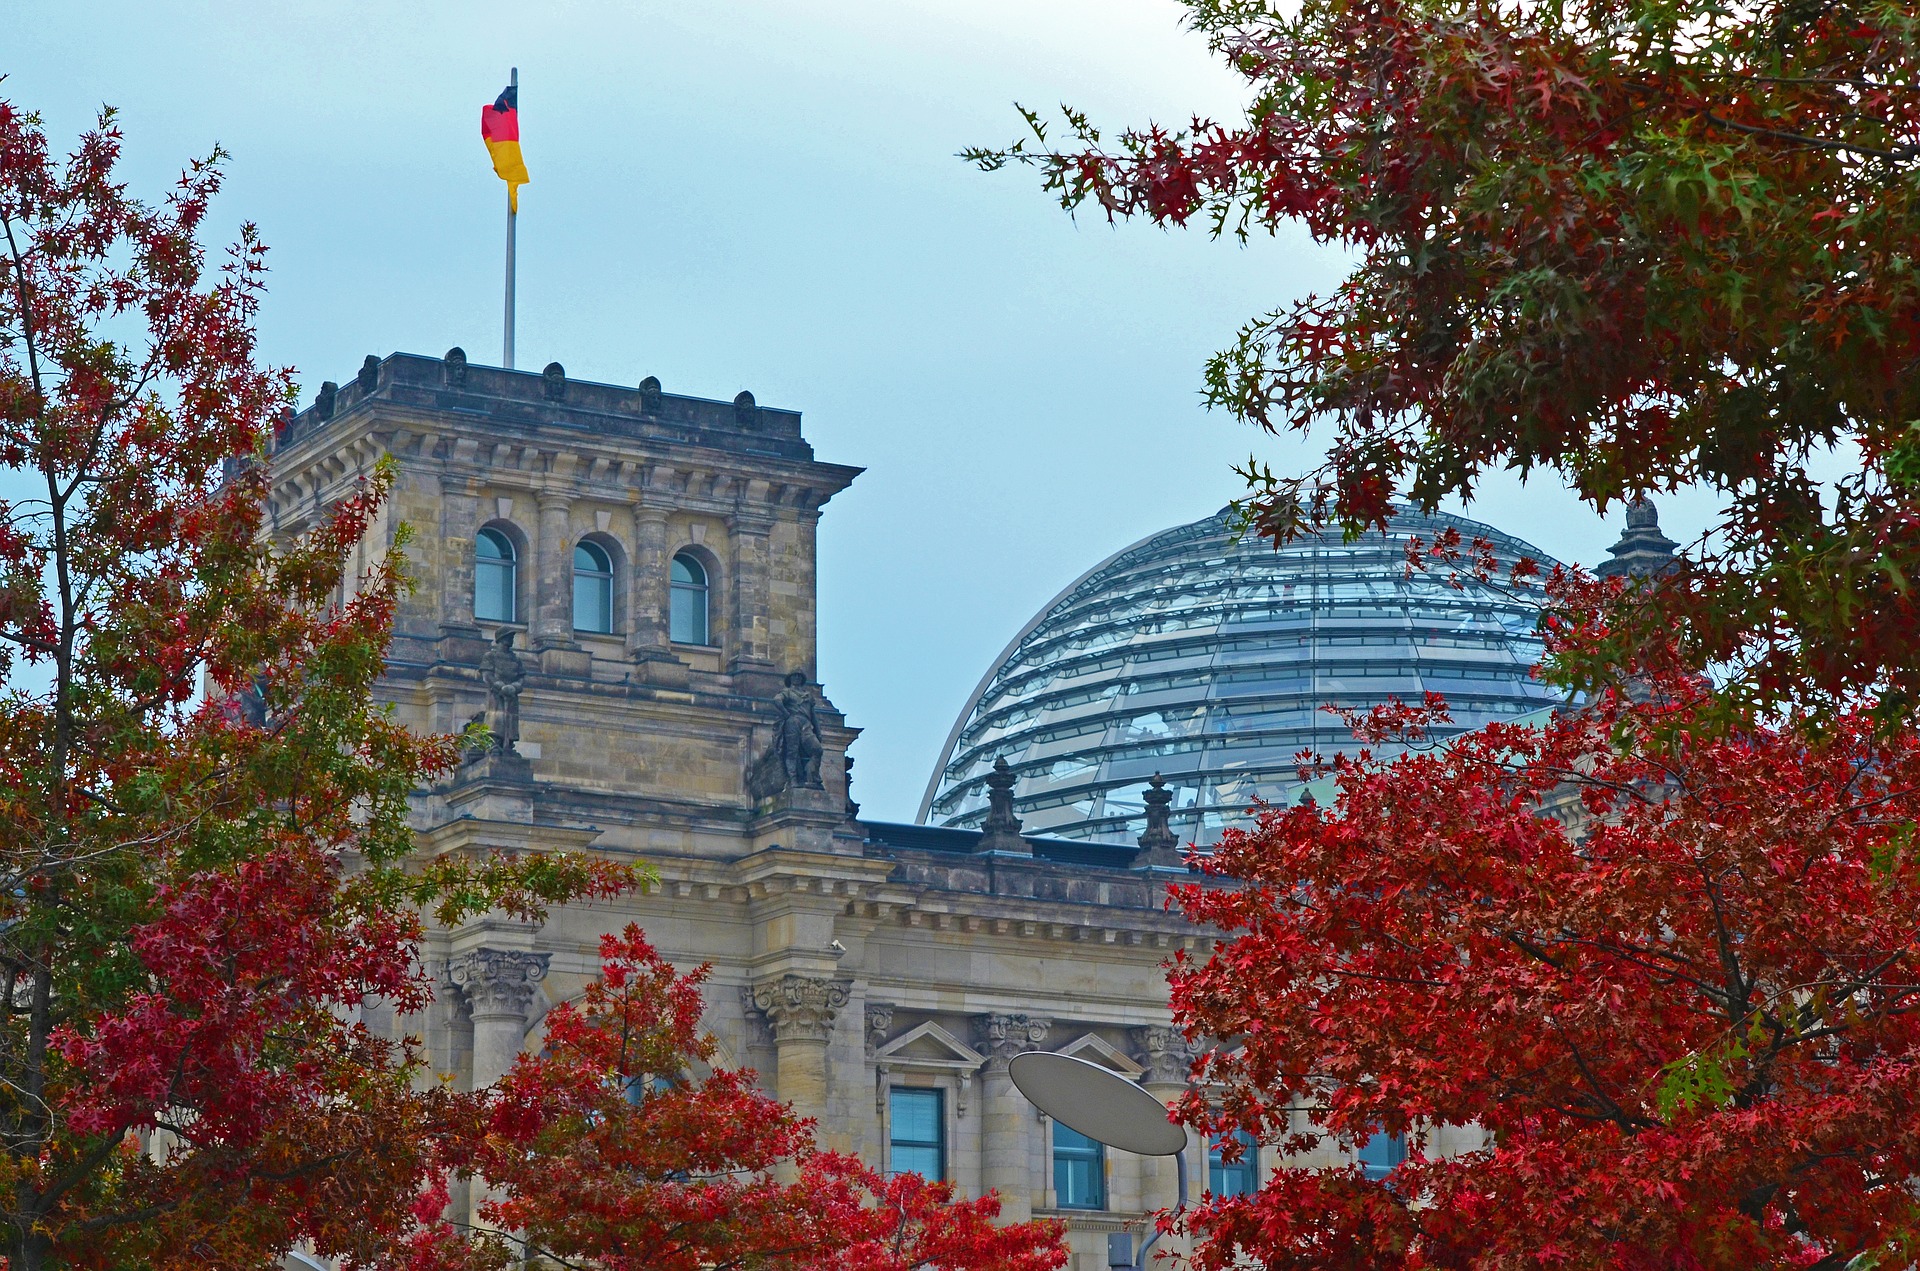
563 535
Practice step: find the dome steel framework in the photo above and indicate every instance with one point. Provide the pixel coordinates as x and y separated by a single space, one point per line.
1209 661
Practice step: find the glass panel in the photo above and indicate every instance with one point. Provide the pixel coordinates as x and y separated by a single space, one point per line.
917 1133
493 577
687 603
1079 1170
1381 1153
1236 1178
592 589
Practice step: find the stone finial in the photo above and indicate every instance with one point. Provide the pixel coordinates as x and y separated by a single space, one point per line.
1164 1052
745 413
1159 845
1643 551
1000 832
853 809
498 981
801 1007
369 376
326 399
879 1024
453 367
1001 1037
555 382
650 396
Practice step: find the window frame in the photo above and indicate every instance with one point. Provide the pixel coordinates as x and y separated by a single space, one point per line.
700 593
600 578
507 566
1065 1158
938 1097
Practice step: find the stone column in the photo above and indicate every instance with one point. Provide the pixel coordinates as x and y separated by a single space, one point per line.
647 634
801 1010
500 986
751 553
1007 1119
459 521
1167 1056
553 576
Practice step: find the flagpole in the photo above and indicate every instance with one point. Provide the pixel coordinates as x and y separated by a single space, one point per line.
506 343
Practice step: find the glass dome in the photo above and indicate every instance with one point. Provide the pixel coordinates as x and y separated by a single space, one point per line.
1208 661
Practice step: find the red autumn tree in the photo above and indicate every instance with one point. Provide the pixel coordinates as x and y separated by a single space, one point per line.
1669 972
618 1148
202 813
1636 243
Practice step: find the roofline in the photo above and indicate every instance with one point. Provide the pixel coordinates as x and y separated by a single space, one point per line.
993 667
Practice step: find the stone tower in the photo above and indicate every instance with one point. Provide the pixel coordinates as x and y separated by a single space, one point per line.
621 583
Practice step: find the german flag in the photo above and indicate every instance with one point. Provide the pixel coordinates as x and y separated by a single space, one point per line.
500 129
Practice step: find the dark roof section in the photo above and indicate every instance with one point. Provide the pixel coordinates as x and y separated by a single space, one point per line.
537 398
892 835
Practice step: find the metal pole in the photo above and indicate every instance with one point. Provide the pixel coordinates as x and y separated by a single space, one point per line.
506 342
1180 1166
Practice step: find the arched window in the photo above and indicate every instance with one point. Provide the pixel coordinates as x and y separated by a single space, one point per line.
687 607
495 577
592 589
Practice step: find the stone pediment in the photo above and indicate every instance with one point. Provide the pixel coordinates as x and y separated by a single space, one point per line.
929 1046
1095 1050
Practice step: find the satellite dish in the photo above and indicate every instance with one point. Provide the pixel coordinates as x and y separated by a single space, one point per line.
1097 1102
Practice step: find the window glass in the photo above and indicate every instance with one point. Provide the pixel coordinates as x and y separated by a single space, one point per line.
1381 1153
916 1133
1233 1178
687 602
1079 1169
494 577
592 589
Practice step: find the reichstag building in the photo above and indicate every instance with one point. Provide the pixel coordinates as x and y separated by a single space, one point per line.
621 581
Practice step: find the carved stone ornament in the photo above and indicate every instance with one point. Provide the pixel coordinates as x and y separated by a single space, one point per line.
746 414
801 1007
369 376
1164 1052
555 377
326 400
650 396
879 1024
453 367
498 981
1001 1037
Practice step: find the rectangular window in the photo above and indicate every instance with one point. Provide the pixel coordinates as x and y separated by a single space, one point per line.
1234 1178
1079 1169
917 1132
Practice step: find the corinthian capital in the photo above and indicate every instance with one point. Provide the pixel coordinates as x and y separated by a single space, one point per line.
1165 1053
498 981
801 1007
1001 1037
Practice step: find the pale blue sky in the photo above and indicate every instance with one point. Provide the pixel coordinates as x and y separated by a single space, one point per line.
756 195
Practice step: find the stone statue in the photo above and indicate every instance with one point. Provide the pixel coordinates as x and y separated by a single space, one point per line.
369 376
503 675
554 377
650 396
454 367
796 738
793 760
